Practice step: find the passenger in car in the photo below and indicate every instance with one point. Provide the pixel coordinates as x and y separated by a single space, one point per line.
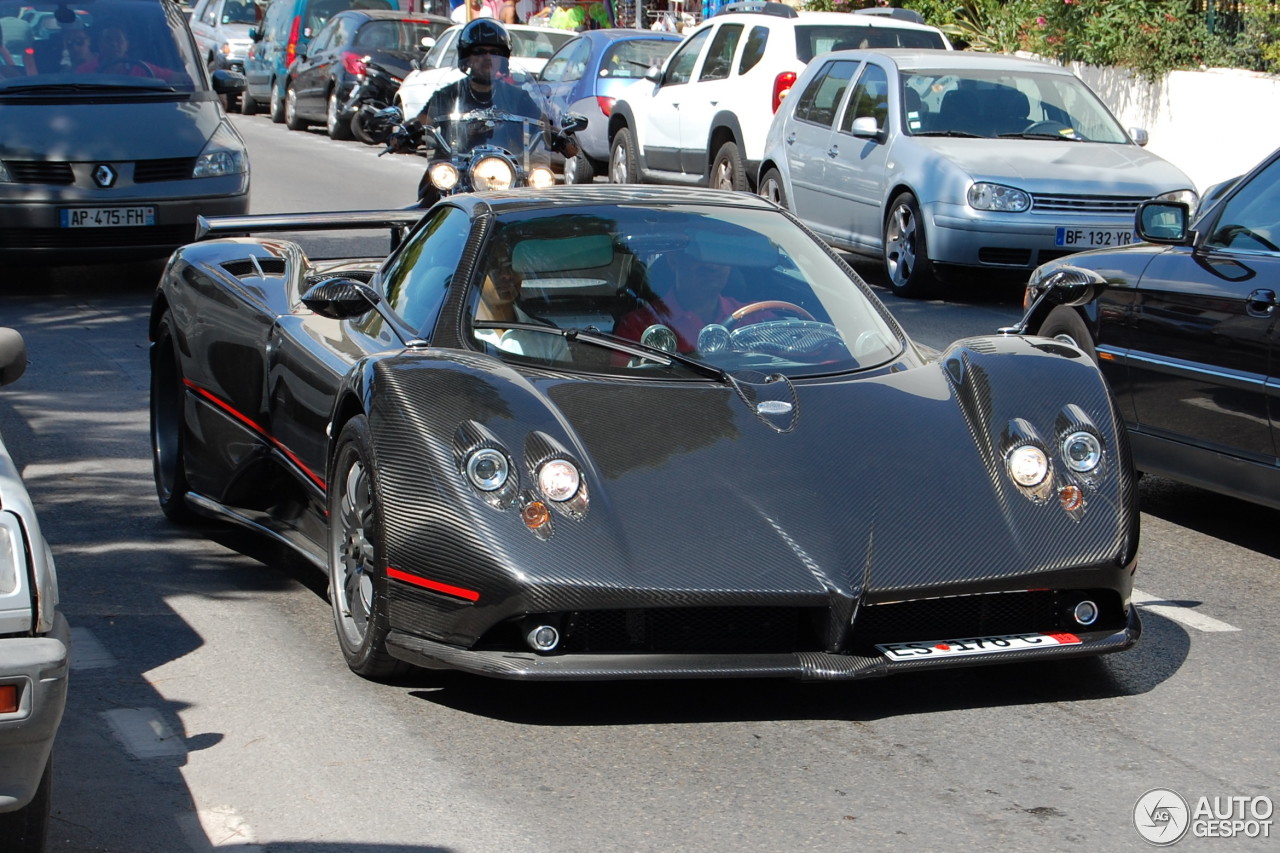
114 55
498 303
689 294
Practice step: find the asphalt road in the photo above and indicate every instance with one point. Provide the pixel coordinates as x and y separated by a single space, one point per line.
210 706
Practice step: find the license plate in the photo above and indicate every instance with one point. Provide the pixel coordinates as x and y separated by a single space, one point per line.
1092 238
975 646
107 217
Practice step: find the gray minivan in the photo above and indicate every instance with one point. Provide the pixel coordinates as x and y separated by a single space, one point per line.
112 137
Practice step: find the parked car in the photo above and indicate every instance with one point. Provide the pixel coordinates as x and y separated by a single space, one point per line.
563 433
116 156
34 644
702 119
286 29
322 77
947 162
586 75
1183 327
221 28
531 47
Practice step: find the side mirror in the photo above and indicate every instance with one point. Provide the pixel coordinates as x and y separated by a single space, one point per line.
227 82
1163 222
1139 136
865 128
341 298
255 34
653 74
13 355
427 43
573 122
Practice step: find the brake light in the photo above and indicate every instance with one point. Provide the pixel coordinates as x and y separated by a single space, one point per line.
291 49
781 86
353 62
606 104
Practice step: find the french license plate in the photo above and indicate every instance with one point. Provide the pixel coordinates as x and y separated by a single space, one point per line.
974 645
1092 238
106 217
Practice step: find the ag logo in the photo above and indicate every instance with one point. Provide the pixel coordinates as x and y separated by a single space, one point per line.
1161 816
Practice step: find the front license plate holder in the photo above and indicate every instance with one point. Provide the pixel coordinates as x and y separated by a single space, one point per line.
995 644
1092 238
107 217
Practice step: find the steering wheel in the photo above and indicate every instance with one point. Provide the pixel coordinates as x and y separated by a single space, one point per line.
787 337
767 305
126 66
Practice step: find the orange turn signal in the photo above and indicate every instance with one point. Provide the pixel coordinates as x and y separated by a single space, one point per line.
535 514
1071 498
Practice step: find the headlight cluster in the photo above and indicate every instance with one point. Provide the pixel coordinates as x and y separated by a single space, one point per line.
224 155
999 198
1030 460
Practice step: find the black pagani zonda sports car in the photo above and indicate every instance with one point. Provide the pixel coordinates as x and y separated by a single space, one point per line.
612 433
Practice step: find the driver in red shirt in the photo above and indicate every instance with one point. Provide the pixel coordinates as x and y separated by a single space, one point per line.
692 296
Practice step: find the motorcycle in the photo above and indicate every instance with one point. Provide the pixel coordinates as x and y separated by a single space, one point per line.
480 149
375 90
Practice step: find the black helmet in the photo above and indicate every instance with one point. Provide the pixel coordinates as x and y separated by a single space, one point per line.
482 32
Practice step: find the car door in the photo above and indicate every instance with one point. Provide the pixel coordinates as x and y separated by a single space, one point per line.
807 135
659 115
204 23
563 70
857 168
311 74
702 101
1201 340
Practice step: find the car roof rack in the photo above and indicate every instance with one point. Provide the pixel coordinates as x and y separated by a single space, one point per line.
762 7
893 12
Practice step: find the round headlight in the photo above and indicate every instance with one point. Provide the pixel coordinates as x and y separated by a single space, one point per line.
558 480
443 176
1081 451
541 178
1028 465
492 173
488 469
1002 199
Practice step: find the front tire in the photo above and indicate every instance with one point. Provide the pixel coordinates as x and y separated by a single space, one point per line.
168 425
291 118
906 251
624 163
728 172
357 557
772 189
275 107
336 127
578 170
248 106
1065 324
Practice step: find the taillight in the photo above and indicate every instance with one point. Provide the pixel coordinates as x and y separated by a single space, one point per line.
353 62
291 49
781 85
606 104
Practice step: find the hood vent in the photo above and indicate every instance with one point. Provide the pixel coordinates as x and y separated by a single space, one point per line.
256 267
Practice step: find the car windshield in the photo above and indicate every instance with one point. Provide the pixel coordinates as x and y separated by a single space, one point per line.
730 288
138 45
537 44
403 35
1005 104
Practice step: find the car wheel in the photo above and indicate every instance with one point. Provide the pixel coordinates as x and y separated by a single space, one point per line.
275 107
291 118
338 129
579 170
168 426
357 558
728 171
1065 324
771 188
906 256
24 830
248 106
624 165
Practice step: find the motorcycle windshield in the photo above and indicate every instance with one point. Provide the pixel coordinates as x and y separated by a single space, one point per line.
512 116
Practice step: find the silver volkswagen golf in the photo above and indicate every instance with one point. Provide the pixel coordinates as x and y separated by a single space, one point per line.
947 162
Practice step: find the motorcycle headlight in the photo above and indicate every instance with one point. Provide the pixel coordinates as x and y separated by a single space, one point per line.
443 176
1002 199
540 178
492 173
223 155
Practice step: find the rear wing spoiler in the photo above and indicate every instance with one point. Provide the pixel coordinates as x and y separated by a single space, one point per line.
398 221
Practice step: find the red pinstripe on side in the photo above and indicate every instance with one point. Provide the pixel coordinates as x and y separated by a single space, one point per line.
435 586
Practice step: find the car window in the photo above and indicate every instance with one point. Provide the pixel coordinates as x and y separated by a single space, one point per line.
821 99
870 98
326 36
815 40
1250 220
753 50
239 12
442 50
632 58
208 14
537 44
719 59
680 68
417 277
568 63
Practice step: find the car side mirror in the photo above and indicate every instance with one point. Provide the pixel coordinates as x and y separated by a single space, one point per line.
865 128
1163 222
1139 136
653 74
427 43
13 355
573 122
341 298
227 82
255 34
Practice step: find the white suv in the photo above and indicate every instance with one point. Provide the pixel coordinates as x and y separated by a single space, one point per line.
702 118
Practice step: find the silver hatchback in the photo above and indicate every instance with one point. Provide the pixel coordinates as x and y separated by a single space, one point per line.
949 162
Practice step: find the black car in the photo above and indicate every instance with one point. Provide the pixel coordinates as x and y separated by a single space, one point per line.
1183 327
635 432
322 76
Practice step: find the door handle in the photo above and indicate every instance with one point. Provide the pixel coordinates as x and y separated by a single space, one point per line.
833 151
791 138
1261 303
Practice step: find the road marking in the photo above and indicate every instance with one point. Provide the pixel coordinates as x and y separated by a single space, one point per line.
87 652
218 828
1180 613
143 733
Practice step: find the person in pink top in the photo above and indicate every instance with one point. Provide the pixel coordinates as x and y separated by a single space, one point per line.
691 297
114 58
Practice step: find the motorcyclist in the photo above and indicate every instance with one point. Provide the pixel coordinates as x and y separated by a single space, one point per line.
484 52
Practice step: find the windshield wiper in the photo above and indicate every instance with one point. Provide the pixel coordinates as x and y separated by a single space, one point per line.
595 337
964 133
1024 135
29 88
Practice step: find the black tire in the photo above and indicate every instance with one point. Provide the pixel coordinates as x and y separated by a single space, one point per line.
24 830
291 118
772 189
168 426
906 250
728 172
248 106
358 130
1066 324
275 107
357 557
578 170
624 163
336 128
